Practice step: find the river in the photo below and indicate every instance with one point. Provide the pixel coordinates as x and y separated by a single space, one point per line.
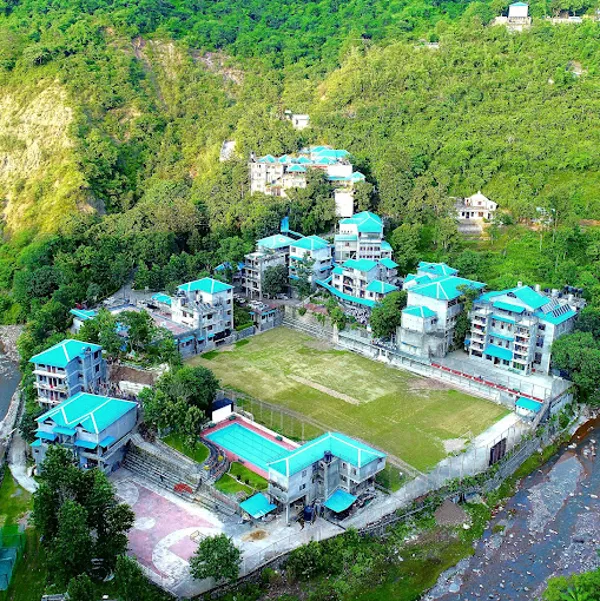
9 380
550 527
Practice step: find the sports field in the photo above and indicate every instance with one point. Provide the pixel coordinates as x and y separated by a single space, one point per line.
408 416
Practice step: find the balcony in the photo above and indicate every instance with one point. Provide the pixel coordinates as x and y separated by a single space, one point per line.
48 386
50 374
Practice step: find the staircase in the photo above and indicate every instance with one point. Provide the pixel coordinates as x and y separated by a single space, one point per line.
317 331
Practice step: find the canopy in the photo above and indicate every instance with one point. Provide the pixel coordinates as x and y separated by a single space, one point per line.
64 430
86 444
106 442
45 435
498 352
339 501
257 506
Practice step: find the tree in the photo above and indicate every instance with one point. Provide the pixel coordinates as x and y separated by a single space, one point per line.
304 273
463 323
70 553
405 240
131 581
140 329
81 588
216 557
386 316
578 587
275 281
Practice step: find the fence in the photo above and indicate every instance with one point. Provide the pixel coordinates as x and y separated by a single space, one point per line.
12 544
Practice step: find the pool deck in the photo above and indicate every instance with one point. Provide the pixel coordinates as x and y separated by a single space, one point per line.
286 443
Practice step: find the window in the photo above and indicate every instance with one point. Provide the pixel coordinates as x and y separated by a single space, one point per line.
302 487
97 368
304 474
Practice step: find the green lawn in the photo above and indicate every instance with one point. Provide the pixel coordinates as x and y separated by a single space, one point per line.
199 453
242 473
406 415
230 486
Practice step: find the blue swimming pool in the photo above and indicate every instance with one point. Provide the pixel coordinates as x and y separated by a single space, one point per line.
248 445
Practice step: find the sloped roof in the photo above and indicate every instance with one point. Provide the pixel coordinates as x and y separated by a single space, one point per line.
311 243
275 242
297 169
268 158
61 354
528 296
360 264
83 314
348 449
365 222
208 285
420 311
386 246
445 288
94 413
388 263
437 268
498 352
381 287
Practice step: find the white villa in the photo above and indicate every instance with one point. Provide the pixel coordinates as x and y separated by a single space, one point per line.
361 237
311 251
474 211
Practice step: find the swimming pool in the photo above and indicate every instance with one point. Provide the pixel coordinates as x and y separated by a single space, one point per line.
248 445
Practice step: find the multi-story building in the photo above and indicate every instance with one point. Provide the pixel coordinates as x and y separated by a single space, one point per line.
270 252
514 329
274 175
473 212
67 368
313 254
332 470
95 428
361 281
433 306
361 237
206 307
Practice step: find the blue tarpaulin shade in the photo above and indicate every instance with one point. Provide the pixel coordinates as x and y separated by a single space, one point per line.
257 506
45 435
528 404
339 501
498 352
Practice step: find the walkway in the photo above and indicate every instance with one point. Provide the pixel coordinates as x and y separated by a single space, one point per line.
17 463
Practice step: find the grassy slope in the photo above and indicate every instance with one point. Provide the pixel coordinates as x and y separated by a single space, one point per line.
398 411
199 453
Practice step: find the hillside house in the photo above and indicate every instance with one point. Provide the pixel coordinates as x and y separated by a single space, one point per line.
514 329
361 237
270 252
433 306
96 428
206 307
67 368
299 121
332 470
473 212
310 253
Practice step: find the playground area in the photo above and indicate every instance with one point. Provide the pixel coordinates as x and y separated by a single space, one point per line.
416 419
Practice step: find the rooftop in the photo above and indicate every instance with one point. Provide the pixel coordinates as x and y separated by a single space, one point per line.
528 296
437 268
94 413
348 449
381 287
61 354
445 288
388 263
423 312
83 314
208 285
360 264
275 242
311 243
365 222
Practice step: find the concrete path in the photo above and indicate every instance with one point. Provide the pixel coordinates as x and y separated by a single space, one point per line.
17 463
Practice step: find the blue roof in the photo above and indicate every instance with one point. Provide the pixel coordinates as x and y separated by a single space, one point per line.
556 317
445 288
357 176
501 336
360 264
504 319
345 237
297 169
64 430
51 436
437 268
94 413
386 246
257 506
424 312
85 444
338 270
508 307
311 243
388 263
162 298
208 285
419 279
83 314
61 354
36 443
498 352
528 404
381 287
348 449
365 221
339 501
107 441
534 300
330 153
275 242
268 158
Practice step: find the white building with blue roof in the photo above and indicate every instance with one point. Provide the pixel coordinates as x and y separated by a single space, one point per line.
313 251
275 175
514 329
332 470
206 307
361 237
433 306
69 367
96 428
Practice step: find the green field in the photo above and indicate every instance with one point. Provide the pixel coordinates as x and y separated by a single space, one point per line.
406 415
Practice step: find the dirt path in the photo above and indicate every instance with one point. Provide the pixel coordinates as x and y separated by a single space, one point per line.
329 391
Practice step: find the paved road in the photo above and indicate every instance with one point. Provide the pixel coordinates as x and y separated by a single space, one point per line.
18 465
550 527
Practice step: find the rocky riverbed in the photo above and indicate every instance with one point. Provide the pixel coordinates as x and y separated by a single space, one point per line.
551 527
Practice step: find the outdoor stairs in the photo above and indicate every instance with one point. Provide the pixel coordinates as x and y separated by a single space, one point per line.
310 329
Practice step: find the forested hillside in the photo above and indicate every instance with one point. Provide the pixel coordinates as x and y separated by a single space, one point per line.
113 114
